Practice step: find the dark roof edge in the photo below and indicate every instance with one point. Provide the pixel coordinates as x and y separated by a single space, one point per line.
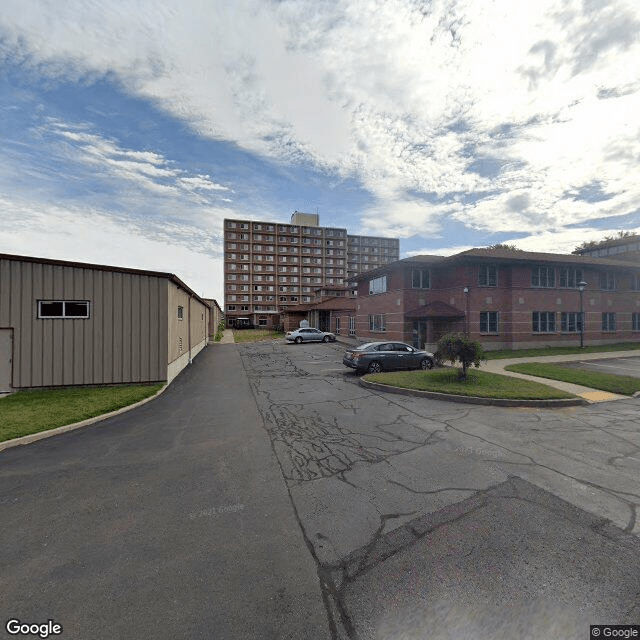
103 267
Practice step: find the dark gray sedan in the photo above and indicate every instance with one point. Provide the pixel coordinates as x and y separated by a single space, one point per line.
386 356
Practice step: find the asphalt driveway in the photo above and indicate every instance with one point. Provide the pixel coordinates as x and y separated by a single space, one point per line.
170 521
267 495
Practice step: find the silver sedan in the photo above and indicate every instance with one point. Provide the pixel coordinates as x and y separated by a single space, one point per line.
309 335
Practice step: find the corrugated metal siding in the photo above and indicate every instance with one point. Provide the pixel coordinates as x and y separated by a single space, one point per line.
124 340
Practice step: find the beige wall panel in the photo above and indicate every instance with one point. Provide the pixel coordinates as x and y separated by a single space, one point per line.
144 339
117 327
127 313
78 326
88 338
97 318
47 327
163 327
125 339
26 325
156 313
66 292
14 319
5 292
135 329
37 327
107 323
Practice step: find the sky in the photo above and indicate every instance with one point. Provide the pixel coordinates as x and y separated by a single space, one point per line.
130 129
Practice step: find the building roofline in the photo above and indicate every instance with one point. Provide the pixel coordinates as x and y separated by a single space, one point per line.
500 255
104 267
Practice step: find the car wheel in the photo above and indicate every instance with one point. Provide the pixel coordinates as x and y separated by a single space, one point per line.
426 363
374 367
325 339
298 340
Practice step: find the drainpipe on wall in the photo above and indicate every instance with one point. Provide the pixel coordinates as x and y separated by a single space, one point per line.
189 328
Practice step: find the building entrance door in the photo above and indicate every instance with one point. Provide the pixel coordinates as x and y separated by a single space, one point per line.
6 339
419 334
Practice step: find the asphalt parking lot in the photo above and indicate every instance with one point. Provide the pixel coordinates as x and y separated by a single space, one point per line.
617 366
435 519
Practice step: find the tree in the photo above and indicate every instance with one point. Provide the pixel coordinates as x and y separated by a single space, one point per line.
455 347
591 244
506 247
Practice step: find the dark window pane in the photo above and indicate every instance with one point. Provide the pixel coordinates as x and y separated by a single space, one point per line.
51 309
76 309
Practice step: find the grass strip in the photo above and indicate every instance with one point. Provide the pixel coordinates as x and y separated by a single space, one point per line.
624 385
254 335
560 351
27 412
479 383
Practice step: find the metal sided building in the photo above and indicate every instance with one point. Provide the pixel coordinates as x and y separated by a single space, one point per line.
67 323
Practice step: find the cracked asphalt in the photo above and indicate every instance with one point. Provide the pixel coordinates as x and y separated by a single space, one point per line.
434 519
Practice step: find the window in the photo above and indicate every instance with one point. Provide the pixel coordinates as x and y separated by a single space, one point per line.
420 278
377 322
543 277
635 282
607 281
488 276
543 321
570 322
337 331
570 277
608 321
180 313
488 322
352 325
231 307
635 321
262 321
63 309
378 285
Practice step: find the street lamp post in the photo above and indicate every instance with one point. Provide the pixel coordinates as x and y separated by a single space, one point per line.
466 312
581 285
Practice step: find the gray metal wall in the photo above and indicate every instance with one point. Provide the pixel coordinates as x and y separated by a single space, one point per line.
124 340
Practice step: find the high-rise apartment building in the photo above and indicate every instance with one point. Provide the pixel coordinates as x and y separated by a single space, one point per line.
270 267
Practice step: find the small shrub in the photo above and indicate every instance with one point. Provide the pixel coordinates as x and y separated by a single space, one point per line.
219 332
455 347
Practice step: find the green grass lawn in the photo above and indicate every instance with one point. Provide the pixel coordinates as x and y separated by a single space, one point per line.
29 412
478 383
559 351
253 335
625 385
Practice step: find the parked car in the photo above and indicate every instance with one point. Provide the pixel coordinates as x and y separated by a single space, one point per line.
386 356
309 335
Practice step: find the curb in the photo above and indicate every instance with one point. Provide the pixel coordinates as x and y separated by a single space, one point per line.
496 402
41 435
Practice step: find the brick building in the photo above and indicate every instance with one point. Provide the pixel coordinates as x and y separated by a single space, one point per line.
273 270
503 299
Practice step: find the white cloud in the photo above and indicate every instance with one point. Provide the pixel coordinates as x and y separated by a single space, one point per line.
94 236
402 96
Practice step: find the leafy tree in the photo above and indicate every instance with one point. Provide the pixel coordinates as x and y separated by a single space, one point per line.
591 244
455 347
507 247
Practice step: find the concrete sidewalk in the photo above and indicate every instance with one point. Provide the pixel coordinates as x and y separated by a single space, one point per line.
591 395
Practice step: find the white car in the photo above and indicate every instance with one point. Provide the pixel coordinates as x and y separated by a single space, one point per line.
309 335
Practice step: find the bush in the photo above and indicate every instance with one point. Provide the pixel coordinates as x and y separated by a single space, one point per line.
455 347
218 335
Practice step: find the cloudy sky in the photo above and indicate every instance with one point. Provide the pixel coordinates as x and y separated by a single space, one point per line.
130 130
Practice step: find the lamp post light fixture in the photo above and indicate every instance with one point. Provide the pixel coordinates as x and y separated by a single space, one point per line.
466 312
581 285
